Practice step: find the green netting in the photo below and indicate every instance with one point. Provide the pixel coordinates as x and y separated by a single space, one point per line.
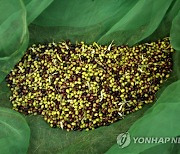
164 113
14 132
175 30
125 22
160 121
13 35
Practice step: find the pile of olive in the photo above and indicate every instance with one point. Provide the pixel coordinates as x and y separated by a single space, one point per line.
81 86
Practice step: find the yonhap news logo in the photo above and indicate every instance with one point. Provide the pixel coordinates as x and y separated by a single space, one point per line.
124 139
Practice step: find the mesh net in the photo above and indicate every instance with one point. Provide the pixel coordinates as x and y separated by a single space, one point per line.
125 22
